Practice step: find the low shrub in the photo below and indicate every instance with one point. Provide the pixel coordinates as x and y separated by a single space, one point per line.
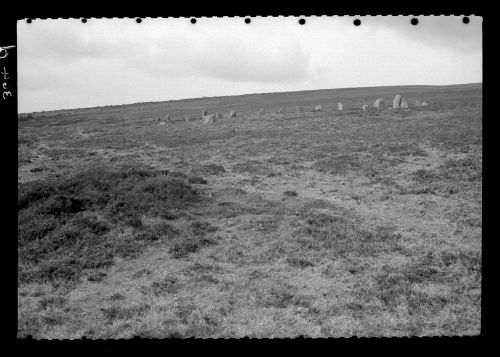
64 223
339 236
299 262
197 180
209 169
183 247
202 228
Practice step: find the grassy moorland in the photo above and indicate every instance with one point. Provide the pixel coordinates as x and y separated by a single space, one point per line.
322 224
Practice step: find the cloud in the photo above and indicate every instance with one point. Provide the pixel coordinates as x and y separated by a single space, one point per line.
233 56
159 49
444 32
67 41
229 61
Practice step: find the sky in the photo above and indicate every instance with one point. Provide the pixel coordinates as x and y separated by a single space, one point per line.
66 64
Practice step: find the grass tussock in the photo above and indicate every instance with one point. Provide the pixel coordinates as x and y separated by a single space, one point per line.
169 285
299 262
338 164
453 176
117 312
341 237
209 170
197 240
432 289
25 140
254 167
267 224
229 209
399 150
197 180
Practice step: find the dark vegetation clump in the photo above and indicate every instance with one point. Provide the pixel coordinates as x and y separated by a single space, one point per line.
299 262
228 209
209 169
198 240
182 248
281 297
177 174
339 164
117 297
468 169
29 325
52 301
268 224
202 228
197 180
96 276
154 195
341 237
453 176
395 286
172 214
24 140
425 176
64 224
117 312
290 193
156 232
404 149
169 285
255 167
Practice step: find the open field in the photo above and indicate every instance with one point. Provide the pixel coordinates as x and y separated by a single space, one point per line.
325 224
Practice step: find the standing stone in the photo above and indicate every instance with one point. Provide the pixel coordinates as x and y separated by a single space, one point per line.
340 106
203 113
232 114
379 103
365 107
396 103
209 119
404 104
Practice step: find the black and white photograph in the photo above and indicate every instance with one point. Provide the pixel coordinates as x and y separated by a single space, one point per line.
260 177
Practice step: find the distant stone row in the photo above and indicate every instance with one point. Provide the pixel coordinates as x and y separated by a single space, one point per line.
207 118
27 116
398 102
212 118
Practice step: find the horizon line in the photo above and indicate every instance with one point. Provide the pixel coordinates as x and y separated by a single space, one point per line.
260 93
